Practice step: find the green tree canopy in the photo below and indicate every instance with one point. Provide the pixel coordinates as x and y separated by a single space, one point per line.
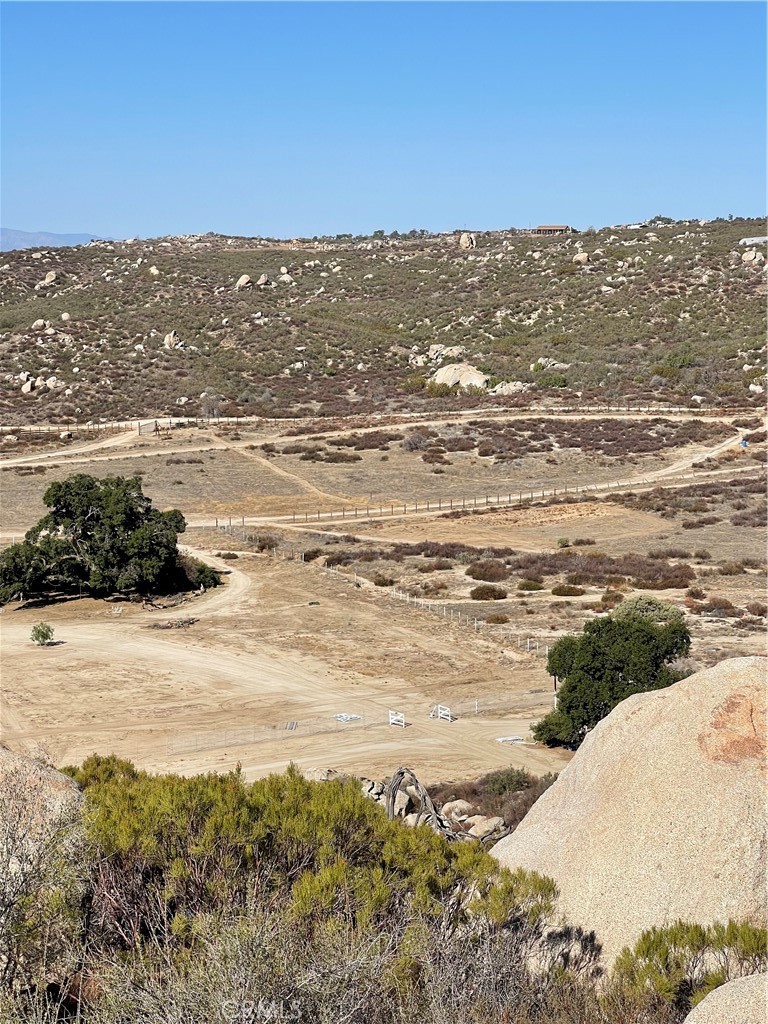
613 658
101 536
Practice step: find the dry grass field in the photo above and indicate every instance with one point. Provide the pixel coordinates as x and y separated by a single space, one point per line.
285 646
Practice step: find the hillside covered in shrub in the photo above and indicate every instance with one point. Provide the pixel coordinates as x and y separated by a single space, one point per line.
656 312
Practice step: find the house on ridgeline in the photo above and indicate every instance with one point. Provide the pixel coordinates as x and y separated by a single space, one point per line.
553 229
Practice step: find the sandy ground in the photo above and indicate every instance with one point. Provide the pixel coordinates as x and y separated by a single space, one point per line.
284 647
261 657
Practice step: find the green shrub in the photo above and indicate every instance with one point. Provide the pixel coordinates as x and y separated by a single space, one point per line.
42 634
201 843
530 585
680 964
552 380
566 590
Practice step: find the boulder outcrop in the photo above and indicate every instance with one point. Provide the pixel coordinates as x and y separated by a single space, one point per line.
661 813
462 374
742 1001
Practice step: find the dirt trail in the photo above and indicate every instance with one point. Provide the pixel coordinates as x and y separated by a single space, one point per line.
111 441
401 421
260 656
305 485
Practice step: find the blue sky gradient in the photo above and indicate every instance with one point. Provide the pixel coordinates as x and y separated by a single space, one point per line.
286 119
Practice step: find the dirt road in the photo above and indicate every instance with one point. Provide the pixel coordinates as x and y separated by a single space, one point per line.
276 655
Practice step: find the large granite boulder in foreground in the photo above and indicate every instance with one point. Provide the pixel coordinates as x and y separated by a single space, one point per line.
662 812
743 1001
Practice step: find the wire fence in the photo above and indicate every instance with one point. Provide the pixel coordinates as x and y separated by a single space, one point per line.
519 498
449 613
90 429
260 732
146 424
180 743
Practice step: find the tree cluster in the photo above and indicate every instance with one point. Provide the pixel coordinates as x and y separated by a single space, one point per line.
628 652
101 536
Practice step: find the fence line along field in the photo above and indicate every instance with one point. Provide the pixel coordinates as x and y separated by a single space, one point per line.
302 658
276 645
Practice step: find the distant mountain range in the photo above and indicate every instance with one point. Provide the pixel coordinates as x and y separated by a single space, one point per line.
11 239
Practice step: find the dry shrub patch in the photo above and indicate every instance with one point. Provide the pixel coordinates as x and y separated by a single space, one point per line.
598 568
488 570
487 592
567 590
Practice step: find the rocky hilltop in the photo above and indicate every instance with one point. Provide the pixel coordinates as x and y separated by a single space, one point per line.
662 312
661 815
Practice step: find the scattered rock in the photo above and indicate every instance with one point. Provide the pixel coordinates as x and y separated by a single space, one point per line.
263 281
50 277
173 341
467 240
456 808
547 363
440 352
637 819
581 258
243 283
65 317
510 387
39 325
486 827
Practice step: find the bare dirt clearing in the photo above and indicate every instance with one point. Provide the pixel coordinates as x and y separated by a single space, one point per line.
286 646
260 658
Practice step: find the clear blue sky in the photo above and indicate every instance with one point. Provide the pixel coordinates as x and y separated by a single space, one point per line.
310 118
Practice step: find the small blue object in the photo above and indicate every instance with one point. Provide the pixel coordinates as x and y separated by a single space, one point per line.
744 443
